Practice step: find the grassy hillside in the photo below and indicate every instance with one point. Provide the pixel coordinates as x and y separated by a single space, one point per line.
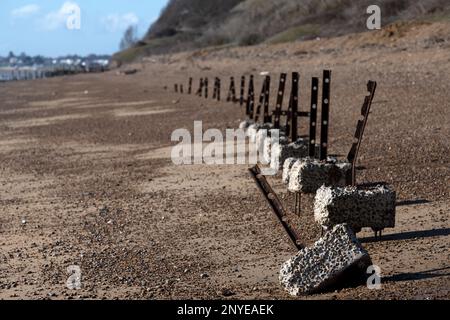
189 24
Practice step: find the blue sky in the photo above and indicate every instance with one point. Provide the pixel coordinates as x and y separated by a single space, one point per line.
40 26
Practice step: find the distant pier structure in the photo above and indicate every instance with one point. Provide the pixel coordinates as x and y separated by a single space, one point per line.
33 73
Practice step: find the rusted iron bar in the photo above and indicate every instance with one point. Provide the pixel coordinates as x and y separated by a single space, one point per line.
250 98
200 87
279 105
176 88
288 114
267 116
324 126
181 89
190 86
360 128
241 98
232 91
261 100
218 89
275 205
215 89
294 106
313 117
206 84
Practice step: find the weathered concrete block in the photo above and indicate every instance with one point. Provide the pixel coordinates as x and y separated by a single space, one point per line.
268 144
287 166
310 174
252 131
281 152
373 208
335 260
245 124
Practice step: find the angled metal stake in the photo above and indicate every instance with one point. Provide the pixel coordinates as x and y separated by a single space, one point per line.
360 128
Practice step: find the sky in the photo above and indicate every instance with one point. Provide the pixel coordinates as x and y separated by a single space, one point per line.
58 27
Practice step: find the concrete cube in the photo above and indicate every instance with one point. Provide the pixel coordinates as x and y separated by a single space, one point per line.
245 124
268 144
372 208
310 174
281 152
252 131
335 260
287 166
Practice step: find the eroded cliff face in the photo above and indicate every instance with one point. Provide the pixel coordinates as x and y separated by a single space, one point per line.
190 24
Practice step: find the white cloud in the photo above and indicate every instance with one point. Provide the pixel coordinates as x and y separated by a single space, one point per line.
115 22
25 11
56 19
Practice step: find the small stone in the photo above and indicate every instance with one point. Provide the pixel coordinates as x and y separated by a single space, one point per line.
227 292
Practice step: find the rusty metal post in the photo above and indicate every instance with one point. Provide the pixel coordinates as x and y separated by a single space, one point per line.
241 98
261 100
279 105
181 89
200 87
215 89
294 106
313 117
176 88
206 84
250 98
232 91
324 126
190 86
267 116
218 89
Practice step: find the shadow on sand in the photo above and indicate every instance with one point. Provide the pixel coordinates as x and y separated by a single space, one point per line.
429 274
410 235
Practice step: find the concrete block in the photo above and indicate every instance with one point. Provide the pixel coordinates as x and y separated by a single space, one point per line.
310 174
268 144
245 124
372 208
287 166
281 152
336 260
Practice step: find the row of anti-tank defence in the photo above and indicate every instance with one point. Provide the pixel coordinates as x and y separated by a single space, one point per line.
340 209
